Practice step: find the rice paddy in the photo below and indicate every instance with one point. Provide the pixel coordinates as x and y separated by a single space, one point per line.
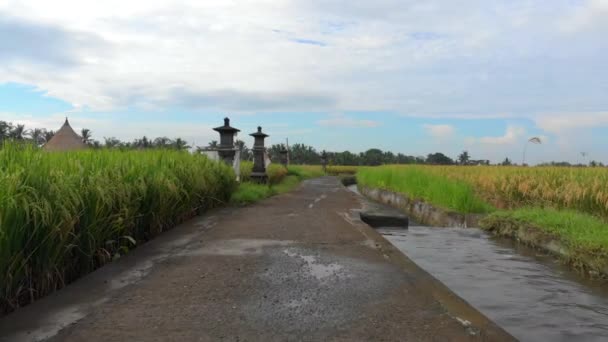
280 180
569 204
64 214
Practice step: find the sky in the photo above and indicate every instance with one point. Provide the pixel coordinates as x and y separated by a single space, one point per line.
414 77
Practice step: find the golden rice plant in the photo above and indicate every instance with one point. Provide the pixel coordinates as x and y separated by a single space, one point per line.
582 189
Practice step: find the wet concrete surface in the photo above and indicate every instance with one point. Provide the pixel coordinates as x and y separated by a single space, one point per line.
299 266
528 293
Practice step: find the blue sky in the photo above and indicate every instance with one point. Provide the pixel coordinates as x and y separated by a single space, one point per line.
408 76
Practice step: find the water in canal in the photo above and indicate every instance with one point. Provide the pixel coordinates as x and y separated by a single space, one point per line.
530 295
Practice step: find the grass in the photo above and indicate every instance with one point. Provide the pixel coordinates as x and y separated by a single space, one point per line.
584 236
280 180
336 170
415 182
563 203
306 171
578 230
581 189
64 214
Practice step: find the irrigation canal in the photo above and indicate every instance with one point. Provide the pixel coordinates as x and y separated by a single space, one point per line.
528 294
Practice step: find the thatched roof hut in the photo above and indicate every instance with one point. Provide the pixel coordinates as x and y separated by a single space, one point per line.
65 140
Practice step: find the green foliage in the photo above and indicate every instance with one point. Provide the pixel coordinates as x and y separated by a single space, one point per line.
335 170
249 192
439 159
280 181
300 154
576 229
585 237
306 171
415 182
276 173
64 214
246 168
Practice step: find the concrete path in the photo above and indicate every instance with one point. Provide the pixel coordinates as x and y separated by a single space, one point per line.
299 266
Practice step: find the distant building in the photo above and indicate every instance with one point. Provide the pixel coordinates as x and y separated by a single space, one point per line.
65 139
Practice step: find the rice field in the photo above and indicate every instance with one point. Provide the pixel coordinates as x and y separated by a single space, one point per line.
426 183
64 214
276 172
570 204
280 180
342 170
581 189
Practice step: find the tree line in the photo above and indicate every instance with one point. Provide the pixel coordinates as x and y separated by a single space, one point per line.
40 136
299 154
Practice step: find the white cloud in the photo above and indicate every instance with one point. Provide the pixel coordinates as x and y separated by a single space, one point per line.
513 135
340 120
199 134
402 56
588 16
439 131
569 122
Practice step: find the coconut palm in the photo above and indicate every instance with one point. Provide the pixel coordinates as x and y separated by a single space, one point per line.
5 129
48 135
180 144
18 132
37 136
86 135
162 142
112 142
464 158
142 143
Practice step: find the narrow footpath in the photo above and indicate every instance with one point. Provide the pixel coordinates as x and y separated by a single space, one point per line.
296 267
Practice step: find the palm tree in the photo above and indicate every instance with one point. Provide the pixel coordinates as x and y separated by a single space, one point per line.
143 143
48 135
464 158
243 149
18 132
162 142
112 142
180 144
86 135
5 129
37 136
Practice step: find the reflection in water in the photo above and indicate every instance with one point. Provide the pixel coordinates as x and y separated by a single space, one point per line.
529 295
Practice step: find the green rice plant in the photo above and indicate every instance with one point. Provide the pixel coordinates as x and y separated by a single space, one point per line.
246 168
342 170
280 180
276 173
306 171
578 188
416 182
64 214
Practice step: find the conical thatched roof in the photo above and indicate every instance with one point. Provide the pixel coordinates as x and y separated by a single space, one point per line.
65 140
